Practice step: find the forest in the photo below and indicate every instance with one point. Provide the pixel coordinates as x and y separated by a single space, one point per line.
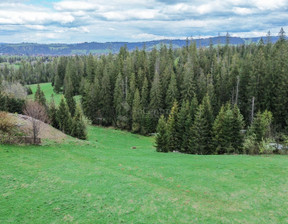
206 100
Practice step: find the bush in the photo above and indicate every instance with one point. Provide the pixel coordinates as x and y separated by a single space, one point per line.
250 145
265 147
6 123
8 131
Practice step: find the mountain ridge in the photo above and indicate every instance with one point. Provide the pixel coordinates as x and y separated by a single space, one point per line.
98 48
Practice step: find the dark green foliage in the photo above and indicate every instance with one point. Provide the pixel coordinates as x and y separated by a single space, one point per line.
261 126
224 74
227 130
78 126
137 112
162 136
40 96
172 129
69 95
122 108
156 102
11 104
29 90
52 113
201 139
184 123
57 84
64 117
172 92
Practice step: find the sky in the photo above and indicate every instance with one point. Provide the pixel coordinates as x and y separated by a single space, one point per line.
75 21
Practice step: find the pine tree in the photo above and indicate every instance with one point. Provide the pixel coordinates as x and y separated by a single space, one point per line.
121 105
136 112
162 136
145 94
53 113
184 123
237 124
222 130
201 141
64 117
78 125
40 96
57 84
156 100
189 84
106 94
173 142
94 102
69 95
172 92
90 68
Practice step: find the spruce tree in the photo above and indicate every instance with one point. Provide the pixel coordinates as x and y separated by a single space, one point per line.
222 130
183 126
136 112
201 141
238 125
40 96
69 95
57 84
107 99
53 113
156 103
172 92
78 125
94 102
172 131
121 105
64 117
162 136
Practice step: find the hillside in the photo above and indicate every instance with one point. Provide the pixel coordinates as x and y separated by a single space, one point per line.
24 124
113 47
106 181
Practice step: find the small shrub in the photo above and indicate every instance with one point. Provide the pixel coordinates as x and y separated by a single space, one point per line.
8 131
250 145
265 147
6 123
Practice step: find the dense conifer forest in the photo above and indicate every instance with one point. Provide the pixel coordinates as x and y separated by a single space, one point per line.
207 100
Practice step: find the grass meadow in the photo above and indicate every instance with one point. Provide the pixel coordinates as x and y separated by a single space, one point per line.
105 180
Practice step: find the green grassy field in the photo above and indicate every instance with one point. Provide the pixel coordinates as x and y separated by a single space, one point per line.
48 91
104 180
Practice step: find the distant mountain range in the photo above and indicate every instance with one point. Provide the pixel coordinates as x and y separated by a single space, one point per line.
33 49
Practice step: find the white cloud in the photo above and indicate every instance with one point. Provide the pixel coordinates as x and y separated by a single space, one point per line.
130 20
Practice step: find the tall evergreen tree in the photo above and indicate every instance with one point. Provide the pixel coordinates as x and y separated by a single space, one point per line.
156 100
53 113
201 141
162 136
78 129
173 141
184 123
172 92
64 117
40 96
136 112
69 96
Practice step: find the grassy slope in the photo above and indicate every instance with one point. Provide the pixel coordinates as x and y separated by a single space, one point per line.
105 181
48 91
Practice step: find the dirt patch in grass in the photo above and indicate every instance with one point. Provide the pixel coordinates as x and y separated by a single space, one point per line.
24 124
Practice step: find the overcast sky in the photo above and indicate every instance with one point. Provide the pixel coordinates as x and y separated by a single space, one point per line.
71 21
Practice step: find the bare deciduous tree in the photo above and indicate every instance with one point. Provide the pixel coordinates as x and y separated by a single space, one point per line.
14 89
38 113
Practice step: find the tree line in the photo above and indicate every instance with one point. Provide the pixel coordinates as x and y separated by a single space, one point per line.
131 90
